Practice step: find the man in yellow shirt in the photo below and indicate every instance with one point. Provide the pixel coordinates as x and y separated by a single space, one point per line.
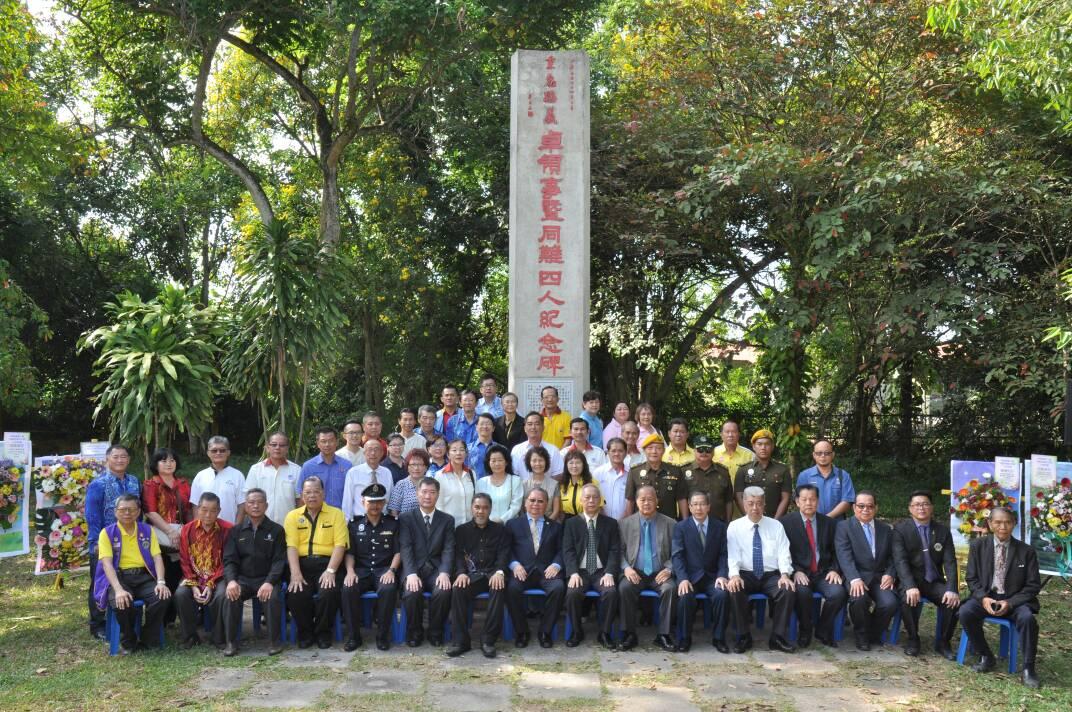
556 422
730 454
317 538
130 567
679 453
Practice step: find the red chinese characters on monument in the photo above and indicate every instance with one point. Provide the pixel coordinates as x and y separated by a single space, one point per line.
549 248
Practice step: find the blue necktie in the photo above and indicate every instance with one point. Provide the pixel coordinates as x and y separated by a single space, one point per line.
645 549
929 572
870 537
757 552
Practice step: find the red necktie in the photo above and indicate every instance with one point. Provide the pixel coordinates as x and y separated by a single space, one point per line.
812 565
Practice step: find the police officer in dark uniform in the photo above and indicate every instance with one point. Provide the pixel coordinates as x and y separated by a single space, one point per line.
667 479
372 563
706 475
764 472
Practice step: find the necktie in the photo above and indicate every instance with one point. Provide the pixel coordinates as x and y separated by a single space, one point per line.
372 479
535 535
645 549
870 537
999 570
590 549
757 552
703 537
929 572
428 524
813 565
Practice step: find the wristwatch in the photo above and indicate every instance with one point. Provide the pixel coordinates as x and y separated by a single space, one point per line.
330 570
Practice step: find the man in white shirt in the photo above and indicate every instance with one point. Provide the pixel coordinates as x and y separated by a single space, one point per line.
579 441
760 562
222 480
407 423
361 476
534 437
612 478
352 435
277 476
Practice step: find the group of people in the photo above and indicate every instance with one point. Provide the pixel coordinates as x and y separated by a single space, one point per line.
474 499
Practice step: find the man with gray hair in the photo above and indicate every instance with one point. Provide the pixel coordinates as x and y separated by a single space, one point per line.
759 561
220 479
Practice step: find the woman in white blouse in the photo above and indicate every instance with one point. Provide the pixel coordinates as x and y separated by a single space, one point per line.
501 484
457 484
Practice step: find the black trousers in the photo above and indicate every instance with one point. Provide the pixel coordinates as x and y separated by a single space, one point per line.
172 577
910 614
608 601
871 612
232 610
834 598
438 608
96 615
555 588
461 600
315 619
386 600
629 594
719 598
1023 619
190 611
141 585
780 601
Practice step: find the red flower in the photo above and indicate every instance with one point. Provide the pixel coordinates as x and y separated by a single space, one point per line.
1065 482
1040 495
1034 511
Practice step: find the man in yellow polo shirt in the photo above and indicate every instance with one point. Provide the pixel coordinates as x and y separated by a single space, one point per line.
130 567
730 454
317 538
556 422
679 453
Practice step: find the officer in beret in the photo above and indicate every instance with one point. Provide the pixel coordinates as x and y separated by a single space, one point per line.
372 564
773 477
713 478
668 481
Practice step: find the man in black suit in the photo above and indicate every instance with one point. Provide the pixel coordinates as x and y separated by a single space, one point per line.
592 555
427 545
536 562
481 549
926 566
1003 578
815 567
698 554
865 555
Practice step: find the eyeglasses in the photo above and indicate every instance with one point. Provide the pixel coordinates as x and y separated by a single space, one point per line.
351 432
864 506
218 450
921 505
823 453
705 449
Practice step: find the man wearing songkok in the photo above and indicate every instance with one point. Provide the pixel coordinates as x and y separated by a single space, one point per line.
201 546
373 562
647 538
592 559
481 553
772 477
536 562
865 555
699 555
665 479
427 544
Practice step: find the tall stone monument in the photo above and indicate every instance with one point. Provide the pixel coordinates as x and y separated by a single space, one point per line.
549 238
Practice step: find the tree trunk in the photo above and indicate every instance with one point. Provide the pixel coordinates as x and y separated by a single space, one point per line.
304 397
330 228
908 407
373 380
282 390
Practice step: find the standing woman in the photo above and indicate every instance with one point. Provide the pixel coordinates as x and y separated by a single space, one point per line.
613 429
404 493
576 476
501 484
645 418
457 485
166 504
437 454
538 462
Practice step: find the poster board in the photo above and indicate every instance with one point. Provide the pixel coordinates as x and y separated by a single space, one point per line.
1042 473
16 455
963 472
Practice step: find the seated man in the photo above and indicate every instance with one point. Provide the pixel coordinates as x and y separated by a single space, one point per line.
254 559
316 543
647 537
427 545
481 552
1003 579
926 566
865 555
130 567
759 561
372 564
700 561
592 556
815 567
201 544
536 562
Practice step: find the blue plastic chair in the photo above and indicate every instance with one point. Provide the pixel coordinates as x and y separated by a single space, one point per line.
708 616
258 612
892 635
508 624
839 620
1009 645
111 627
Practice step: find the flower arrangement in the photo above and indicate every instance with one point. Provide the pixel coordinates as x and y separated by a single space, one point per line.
62 538
1051 514
11 493
975 502
65 481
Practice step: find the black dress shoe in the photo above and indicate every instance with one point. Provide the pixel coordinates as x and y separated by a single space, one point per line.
945 651
720 645
383 644
574 641
780 644
275 649
862 644
522 640
435 641
606 641
230 650
911 648
489 650
1030 679
413 642
100 635
456 650
628 642
545 640
804 639
684 645
828 642
986 664
306 643
190 642
743 645
323 644
352 644
666 643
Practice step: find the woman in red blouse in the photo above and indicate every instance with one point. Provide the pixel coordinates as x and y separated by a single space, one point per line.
166 505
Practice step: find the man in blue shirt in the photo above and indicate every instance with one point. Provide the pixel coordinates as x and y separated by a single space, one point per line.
330 469
591 402
101 496
449 398
836 493
478 449
463 425
489 402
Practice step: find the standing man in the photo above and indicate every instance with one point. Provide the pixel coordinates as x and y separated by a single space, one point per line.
613 478
102 497
591 402
407 424
666 480
534 437
631 436
926 566
369 472
836 493
770 476
372 424
509 427
865 555
679 453
481 551
592 557
277 476
699 555
372 564
426 419
1004 582
536 562
580 442
730 454
352 434
478 449
815 567
449 398
556 422
220 479
647 540
254 559
706 475
759 562
490 402
463 427
201 545
316 544
427 544
330 469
